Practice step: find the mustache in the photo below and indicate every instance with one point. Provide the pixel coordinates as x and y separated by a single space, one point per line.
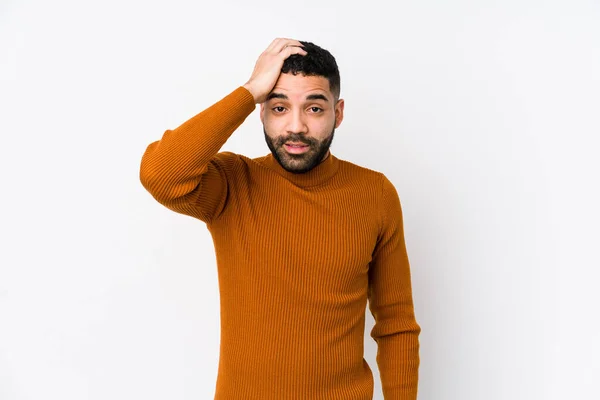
294 138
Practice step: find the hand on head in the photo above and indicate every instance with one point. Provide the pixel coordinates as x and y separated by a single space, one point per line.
268 67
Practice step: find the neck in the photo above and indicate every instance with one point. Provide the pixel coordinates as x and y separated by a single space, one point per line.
320 174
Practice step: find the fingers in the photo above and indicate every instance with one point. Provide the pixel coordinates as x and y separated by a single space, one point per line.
268 66
273 44
289 50
280 44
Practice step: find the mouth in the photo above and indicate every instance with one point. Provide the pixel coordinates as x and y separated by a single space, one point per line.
296 148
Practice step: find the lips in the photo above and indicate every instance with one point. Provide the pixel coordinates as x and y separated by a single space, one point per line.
300 148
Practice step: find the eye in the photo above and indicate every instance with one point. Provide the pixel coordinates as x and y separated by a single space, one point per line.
279 109
316 109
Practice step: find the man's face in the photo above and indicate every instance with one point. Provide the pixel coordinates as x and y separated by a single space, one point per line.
300 110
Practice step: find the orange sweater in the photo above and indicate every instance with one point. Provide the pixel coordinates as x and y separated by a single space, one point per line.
298 256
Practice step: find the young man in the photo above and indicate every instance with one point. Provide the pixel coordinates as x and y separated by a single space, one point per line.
302 239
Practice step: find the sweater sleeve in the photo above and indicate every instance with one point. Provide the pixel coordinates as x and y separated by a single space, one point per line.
184 171
396 331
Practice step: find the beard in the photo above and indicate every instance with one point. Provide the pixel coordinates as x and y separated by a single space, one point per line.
299 163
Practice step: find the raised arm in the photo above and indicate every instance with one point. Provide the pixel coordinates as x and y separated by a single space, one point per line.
183 170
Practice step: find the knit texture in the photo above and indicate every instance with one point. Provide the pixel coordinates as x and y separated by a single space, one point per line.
298 256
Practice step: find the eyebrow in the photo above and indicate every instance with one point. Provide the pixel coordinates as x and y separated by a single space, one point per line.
309 97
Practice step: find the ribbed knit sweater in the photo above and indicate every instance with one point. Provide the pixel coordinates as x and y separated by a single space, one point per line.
298 257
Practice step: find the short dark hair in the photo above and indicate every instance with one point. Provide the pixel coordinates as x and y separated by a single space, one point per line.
317 62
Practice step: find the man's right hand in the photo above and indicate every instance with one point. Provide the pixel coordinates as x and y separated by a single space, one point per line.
268 67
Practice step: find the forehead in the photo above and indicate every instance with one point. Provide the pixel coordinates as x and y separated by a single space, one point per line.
299 86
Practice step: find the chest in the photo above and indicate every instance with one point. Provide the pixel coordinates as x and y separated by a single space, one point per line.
324 240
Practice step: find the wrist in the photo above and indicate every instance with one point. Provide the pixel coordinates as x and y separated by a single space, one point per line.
249 88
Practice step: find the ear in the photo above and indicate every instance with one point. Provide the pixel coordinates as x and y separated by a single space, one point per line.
262 113
339 112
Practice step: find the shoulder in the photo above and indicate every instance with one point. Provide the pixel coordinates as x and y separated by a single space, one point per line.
359 171
381 181
389 199
227 158
231 161
238 165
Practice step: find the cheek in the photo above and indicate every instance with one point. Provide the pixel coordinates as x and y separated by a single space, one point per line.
275 126
322 127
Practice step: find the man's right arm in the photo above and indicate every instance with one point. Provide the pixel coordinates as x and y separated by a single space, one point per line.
183 170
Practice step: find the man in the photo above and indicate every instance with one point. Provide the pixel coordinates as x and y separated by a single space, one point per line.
302 239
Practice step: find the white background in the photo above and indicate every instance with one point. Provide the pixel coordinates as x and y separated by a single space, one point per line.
484 114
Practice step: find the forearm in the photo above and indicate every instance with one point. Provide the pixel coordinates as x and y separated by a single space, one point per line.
398 363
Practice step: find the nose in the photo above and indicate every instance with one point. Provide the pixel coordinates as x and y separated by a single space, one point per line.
296 123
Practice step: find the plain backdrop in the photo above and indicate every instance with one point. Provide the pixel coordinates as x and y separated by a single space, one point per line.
484 115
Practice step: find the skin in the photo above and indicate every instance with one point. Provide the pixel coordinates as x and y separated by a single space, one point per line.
294 108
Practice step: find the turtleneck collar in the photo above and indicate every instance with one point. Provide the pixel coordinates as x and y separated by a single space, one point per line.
319 174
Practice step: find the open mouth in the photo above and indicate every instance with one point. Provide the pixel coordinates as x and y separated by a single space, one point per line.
296 148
